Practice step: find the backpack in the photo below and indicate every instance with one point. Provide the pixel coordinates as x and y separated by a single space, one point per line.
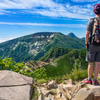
95 37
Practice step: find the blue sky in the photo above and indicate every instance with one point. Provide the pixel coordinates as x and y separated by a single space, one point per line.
24 17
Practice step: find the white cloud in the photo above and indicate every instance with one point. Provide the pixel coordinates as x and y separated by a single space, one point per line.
48 8
2 12
84 0
46 24
5 39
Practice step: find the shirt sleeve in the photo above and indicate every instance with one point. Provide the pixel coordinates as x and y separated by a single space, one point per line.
90 25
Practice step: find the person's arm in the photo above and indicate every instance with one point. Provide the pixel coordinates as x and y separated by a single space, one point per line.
86 38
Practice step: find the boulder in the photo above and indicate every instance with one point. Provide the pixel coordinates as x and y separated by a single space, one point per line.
10 78
95 90
14 86
84 94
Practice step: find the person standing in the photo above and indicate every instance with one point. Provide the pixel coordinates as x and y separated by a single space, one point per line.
93 48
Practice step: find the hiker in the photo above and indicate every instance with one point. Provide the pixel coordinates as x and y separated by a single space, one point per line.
92 42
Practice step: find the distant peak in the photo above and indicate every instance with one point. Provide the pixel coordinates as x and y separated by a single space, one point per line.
72 35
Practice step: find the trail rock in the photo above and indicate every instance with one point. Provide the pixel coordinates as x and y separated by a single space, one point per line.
40 97
95 90
60 93
84 94
46 92
71 82
52 85
51 97
14 86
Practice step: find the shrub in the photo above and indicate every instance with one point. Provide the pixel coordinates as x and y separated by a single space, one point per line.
77 74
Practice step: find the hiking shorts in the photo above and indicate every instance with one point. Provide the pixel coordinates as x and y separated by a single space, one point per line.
93 53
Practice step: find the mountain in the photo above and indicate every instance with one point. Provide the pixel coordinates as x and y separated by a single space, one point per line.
61 65
54 53
34 46
72 35
83 38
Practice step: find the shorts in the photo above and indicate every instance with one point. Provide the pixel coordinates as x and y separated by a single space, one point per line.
93 53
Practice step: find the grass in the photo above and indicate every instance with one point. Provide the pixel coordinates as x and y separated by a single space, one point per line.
35 93
77 74
41 81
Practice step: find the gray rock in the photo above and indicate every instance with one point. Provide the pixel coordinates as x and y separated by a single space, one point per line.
10 78
52 85
69 95
40 97
45 91
16 92
14 86
46 98
84 94
94 89
51 96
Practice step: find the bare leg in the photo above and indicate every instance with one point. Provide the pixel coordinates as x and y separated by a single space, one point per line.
90 69
97 69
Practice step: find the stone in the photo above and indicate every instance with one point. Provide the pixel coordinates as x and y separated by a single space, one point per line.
45 91
51 96
52 85
44 84
46 98
60 89
69 95
84 94
79 86
59 95
94 89
40 97
71 82
63 97
10 78
39 91
14 86
97 98
16 92
67 86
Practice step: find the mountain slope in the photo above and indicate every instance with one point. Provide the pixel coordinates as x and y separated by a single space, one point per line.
34 46
64 64
54 53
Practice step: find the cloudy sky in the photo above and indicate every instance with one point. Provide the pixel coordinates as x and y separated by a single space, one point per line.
24 17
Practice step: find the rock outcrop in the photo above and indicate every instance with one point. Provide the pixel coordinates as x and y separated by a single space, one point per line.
14 86
68 91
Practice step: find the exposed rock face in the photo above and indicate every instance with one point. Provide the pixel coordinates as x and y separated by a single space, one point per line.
14 86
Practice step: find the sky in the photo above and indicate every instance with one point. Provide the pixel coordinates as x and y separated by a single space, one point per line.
23 17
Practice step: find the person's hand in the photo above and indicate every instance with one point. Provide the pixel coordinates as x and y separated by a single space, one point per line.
87 46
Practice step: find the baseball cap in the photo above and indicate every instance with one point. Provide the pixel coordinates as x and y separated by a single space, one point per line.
97 8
